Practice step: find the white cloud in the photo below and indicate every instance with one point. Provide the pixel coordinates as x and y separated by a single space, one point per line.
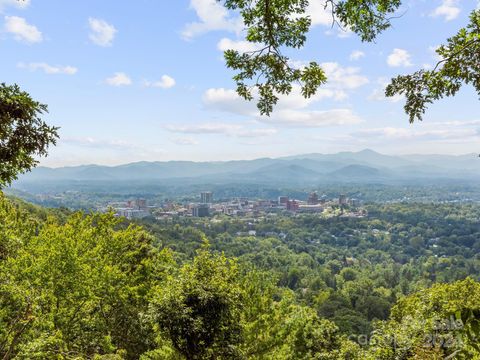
256 133
212 16
119 79
295 100
207 128
97 143
241 46
49 69
457 123
340 81
319 13
296 118
70 155
423 137
228 100
233 130
342 33
392 133
448 9
292 109
165 82
378 94
356 55
185 141
338 76
448 132
102 33
15 3
21 30
115 145
81 150
344 78
399 57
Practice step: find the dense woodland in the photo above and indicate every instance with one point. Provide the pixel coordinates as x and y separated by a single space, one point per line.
399 284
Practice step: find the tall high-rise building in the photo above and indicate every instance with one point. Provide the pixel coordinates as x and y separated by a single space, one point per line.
312 199
283 200
141 204
342 200
206 197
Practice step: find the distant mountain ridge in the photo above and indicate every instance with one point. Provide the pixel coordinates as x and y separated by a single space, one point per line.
365 166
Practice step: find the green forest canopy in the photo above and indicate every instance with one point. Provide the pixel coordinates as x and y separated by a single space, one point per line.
23 134
77 286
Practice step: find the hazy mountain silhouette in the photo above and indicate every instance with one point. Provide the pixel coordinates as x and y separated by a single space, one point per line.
365 166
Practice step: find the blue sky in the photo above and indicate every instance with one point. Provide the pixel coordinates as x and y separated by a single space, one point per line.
145 80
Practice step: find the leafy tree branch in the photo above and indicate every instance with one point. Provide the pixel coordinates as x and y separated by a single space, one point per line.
23 135
280 24
460 65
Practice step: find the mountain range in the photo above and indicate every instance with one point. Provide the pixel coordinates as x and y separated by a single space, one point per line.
366 166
